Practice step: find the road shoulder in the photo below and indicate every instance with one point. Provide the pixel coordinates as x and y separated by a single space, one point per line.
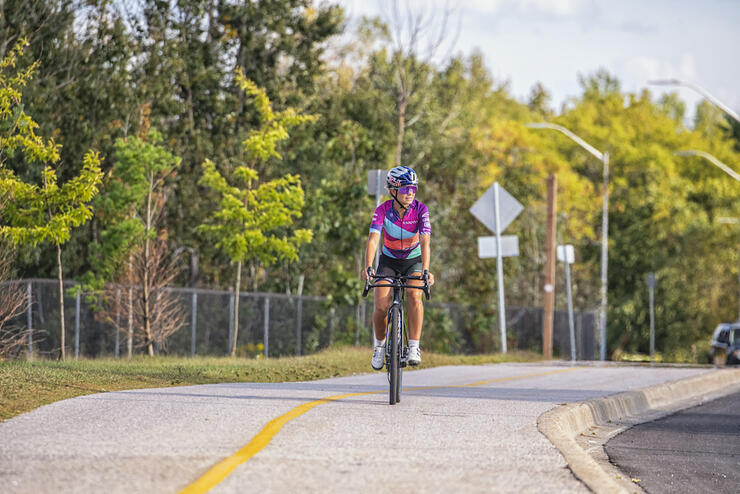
580 430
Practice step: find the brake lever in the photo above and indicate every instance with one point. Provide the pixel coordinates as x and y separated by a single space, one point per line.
426 283
367 281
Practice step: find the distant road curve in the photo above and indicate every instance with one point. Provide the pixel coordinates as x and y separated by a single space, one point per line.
461 429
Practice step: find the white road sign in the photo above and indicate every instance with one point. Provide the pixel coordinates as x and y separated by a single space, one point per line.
509 208
566 252
487 246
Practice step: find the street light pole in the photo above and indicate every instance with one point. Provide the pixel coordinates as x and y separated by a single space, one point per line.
700 90
604 253
604 158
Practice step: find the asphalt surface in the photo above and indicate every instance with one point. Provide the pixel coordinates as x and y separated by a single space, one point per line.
695 450
457 429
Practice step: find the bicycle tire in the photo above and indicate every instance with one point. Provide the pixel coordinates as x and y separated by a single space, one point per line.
401 345
395 363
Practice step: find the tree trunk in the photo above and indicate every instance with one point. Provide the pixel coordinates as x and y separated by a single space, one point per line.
401 127
130 342
147 316
130 339
61 297
237 287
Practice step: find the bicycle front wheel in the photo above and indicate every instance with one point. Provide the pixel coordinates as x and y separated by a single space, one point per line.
395 363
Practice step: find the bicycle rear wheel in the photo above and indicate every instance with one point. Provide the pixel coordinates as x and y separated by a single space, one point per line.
395 363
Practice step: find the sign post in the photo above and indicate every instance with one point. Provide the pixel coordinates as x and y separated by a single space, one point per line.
505 209
499 268
375 187
567 256
651 290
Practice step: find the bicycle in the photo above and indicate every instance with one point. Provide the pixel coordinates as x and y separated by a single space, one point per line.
396 340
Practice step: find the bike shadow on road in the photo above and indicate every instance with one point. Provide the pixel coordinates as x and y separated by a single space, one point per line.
313 392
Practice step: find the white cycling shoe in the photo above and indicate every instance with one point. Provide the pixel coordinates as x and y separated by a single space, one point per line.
414 356
378 357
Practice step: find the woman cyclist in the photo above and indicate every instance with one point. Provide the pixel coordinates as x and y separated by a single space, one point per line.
406 229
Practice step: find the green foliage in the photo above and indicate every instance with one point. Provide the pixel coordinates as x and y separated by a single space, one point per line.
139 164
98 70
246 216
440 335
17 129
31 213
48 212
37 213
663 216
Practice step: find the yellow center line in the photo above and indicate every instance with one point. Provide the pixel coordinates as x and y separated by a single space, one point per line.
222 469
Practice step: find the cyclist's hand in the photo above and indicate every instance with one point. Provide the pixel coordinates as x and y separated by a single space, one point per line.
431 278
366 273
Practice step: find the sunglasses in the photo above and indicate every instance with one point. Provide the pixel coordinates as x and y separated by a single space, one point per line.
408 189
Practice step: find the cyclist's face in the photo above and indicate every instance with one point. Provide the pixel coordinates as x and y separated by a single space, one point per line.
406 194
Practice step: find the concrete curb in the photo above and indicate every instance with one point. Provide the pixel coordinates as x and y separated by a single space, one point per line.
563 424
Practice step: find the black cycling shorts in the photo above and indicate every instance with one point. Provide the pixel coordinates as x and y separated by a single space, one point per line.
399 267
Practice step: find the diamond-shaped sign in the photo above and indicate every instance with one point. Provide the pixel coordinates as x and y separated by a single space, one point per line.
509 208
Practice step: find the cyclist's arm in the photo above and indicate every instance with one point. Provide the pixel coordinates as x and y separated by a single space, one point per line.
426 253
372 246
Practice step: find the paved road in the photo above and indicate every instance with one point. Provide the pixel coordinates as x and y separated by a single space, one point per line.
458 429
695 450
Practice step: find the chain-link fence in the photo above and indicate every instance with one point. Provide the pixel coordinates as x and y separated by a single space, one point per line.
275 325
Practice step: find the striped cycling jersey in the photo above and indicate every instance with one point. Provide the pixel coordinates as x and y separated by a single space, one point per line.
401 235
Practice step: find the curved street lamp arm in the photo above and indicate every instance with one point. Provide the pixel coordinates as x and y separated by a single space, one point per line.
715 161
700 90
588 147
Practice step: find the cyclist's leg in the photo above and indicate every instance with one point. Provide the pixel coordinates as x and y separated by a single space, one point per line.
414 305
383 298
415 308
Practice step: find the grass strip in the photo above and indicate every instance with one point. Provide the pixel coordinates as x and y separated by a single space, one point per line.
25 386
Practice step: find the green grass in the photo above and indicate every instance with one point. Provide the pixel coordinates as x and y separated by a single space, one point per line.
28 385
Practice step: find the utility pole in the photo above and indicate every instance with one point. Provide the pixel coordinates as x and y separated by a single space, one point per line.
604 158
549 268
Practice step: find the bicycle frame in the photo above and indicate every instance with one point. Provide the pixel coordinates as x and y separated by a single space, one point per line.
396 350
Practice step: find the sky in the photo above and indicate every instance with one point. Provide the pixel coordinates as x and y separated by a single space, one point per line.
553 41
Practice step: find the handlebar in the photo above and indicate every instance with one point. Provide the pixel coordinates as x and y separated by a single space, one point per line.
396 281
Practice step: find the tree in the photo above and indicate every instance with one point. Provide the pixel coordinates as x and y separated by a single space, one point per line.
82 94
46 212
134 205
245 217
12 299
662 211
131 247
412 64
197 103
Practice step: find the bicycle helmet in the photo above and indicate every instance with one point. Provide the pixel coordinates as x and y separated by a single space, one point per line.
400 176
